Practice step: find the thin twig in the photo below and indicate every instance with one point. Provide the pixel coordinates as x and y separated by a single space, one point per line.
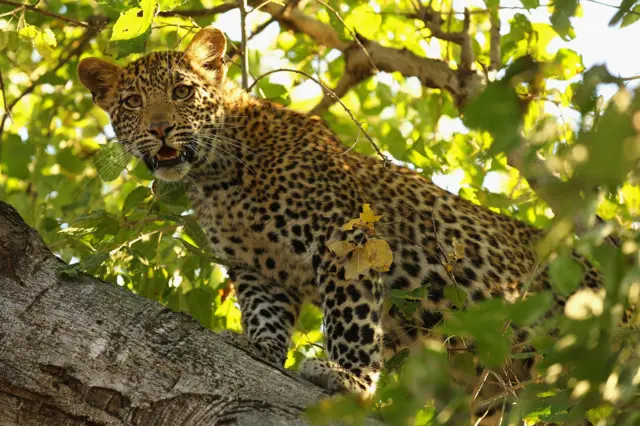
432 21
633 77
330 92
631 12
485 373
244 60
197 13
494 43
466 47
355 36
261 27
46 13
6 111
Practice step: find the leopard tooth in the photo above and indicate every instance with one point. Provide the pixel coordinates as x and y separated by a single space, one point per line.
184 155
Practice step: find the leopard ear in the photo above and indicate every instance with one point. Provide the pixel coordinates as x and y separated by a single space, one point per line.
100 77
207 48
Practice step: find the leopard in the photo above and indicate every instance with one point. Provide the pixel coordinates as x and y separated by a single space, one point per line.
272 187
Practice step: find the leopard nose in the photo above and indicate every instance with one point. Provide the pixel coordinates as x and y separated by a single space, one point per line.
160 128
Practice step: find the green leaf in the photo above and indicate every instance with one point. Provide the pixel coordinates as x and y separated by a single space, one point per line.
483 322
272 91
29 31
16 157
397 360
125 48
613 149
141 171
631 17
49 37
526 312
193 229
567 63
110 161
9 40
171 193
135 197
530 4
69 161
493 347
566 274
585 92
504 121
562 11
119 5
623 9
89 264
455 295
364 20
200 303
166 5
134 22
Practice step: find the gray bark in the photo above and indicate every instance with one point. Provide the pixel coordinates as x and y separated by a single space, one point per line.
81 351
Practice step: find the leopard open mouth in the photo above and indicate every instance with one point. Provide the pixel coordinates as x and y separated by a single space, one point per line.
168 157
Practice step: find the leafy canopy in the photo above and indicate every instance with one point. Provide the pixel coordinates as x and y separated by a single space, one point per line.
539 121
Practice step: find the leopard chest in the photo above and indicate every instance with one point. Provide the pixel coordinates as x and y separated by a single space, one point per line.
259 232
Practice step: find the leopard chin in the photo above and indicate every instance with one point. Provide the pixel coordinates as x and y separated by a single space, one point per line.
173 173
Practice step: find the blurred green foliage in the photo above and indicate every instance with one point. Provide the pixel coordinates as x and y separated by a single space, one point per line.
100 211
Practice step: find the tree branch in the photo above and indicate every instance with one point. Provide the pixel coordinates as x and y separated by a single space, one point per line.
198 13
5 107
242 4
80 351
363 57
494 46
17 5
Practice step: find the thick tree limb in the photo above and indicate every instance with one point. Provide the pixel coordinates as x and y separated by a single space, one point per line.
81 351
432 73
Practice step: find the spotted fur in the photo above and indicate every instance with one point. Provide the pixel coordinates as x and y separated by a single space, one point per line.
271 186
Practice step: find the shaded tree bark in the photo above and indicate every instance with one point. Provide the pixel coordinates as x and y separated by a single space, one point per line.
81 351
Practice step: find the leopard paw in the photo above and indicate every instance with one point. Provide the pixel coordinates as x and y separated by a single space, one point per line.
336 379
261 350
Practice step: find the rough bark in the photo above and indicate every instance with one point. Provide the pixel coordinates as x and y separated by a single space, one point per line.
81 351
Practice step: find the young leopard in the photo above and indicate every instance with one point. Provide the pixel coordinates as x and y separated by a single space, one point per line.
272 186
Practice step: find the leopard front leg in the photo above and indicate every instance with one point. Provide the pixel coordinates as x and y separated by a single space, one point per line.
353 331
269 313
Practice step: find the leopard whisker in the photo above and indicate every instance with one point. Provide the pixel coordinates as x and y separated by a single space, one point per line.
216 150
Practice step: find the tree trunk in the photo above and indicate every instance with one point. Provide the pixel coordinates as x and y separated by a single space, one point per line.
81 351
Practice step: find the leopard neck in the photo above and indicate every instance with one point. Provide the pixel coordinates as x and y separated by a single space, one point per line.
249 130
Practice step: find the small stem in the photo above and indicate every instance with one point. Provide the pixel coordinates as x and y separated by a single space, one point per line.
244 60
331 93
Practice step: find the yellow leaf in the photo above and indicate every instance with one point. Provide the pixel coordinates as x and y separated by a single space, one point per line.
134 22
367 215
357 264
353 223
340 248
458 249
379 254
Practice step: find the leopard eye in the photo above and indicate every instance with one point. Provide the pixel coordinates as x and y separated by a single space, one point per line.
132 102
182 92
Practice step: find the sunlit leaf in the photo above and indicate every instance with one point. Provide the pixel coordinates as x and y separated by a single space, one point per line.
565 274
504 121
134 22
110 161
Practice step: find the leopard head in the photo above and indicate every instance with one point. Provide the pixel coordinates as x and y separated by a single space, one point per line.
165 107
